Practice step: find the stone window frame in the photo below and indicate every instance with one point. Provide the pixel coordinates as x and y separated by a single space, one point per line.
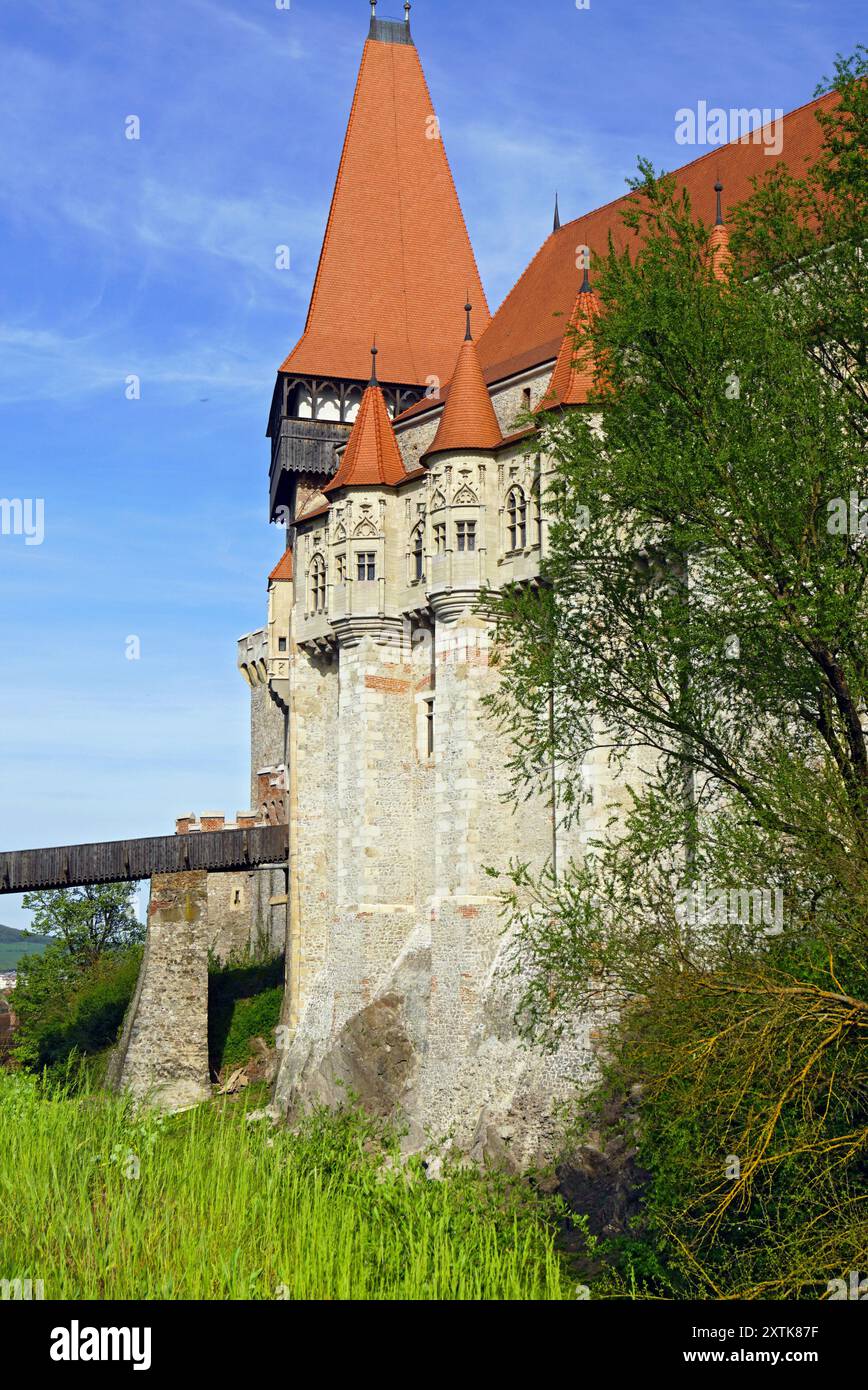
317 575
416 554
516 515
466 530
426 727
366 566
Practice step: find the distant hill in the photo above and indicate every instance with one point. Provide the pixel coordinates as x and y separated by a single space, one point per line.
14 945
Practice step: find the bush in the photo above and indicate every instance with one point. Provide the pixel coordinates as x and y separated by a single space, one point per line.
67 1008
244 1001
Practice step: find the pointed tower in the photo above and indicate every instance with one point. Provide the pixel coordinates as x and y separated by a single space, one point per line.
396 257
718 244
468 421
372 456
574 372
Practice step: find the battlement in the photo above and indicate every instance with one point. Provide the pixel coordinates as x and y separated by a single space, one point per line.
271 787
213 820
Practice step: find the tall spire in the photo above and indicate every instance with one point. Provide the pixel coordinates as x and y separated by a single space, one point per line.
575 375
721 256
557 226
372 456
469 420
396 250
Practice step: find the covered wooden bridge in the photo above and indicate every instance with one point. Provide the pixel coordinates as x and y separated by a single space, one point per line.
125 861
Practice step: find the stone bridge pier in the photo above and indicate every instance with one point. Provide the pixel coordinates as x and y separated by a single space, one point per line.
162 1055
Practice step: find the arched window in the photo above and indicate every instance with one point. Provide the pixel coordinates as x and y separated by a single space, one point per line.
352 401
328 406
317 584
516 519
417 554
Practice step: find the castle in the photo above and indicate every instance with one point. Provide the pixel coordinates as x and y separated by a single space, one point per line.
408 468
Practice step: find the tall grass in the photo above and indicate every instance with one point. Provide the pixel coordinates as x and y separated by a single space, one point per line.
100 1203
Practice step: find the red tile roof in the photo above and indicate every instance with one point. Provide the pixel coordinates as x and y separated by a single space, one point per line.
372 455
574 375
528 327
283 568
396 259
468 420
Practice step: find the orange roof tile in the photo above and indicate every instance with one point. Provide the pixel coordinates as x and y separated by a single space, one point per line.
372 455
283 568
522 331
574 374
396 259
468 420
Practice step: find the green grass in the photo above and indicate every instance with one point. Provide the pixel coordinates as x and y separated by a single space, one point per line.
100 1203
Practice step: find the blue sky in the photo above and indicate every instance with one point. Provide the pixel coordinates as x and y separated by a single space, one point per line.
156 257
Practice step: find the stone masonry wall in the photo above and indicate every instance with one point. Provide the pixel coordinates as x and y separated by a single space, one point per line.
162 1057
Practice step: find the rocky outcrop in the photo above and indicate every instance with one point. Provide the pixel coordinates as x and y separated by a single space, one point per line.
473 1084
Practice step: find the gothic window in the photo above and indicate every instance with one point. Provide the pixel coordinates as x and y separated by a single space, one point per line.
516 519
352 401
366 565
466 535
418 555
317 585
328 405
440 538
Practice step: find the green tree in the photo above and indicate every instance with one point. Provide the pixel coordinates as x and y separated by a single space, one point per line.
703 621
89 920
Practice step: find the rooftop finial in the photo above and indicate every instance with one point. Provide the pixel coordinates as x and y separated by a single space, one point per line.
585 286
374 349
468 309
718 188
407 9
373 10
557 226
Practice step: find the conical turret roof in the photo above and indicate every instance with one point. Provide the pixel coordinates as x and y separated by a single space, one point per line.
469 420
372 455
574 372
